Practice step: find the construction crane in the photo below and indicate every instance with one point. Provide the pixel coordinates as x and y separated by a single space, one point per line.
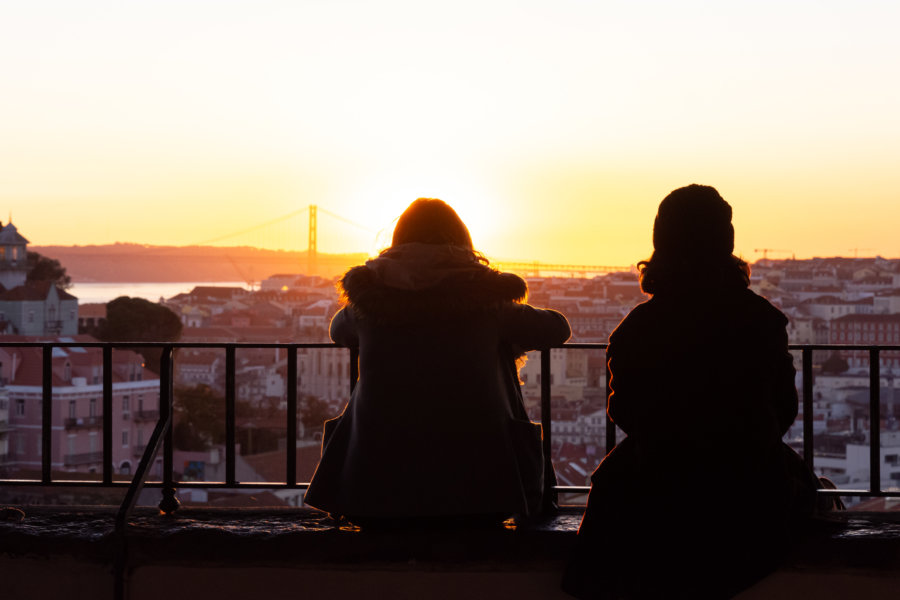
765 251
856 251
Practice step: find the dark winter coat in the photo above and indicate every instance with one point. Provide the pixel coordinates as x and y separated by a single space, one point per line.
699 499
435 425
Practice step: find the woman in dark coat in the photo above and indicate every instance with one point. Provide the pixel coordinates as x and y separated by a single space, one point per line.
435 427
700 497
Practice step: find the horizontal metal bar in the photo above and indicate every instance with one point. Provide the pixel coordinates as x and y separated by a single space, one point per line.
154 484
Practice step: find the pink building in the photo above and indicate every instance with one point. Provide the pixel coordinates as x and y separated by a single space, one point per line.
77 422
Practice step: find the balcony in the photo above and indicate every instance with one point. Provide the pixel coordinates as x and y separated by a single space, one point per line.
83 458
142 416
132 552
83 422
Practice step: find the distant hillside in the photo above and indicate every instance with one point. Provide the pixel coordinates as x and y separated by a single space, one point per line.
131 263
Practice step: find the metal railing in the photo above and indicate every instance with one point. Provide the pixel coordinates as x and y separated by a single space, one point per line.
163 431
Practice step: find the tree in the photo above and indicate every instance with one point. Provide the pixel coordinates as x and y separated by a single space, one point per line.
835 364
139 320
42 268
199 418
313 412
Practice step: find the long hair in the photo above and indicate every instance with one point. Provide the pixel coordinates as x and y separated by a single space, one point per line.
661 273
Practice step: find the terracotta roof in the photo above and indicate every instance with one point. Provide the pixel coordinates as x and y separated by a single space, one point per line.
29 360
215 291
10 236
95 309
34 290
270 466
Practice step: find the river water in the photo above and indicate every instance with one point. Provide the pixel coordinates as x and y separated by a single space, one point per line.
88 293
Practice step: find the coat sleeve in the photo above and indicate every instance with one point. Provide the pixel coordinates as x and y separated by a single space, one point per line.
343 329
529 328
785 390
619 406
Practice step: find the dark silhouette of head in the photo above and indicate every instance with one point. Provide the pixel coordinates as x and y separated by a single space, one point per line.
693 241
431 221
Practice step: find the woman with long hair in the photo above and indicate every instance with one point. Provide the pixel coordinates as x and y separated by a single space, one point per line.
701 496
435 428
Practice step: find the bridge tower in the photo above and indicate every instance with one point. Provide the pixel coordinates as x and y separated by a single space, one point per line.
311 246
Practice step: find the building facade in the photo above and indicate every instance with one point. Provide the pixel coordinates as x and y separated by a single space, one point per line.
77 408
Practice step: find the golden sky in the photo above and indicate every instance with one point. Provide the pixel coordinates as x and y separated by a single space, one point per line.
555 128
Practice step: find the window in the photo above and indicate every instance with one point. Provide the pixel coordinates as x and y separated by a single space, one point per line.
140 403
20 407
70 444
29 318
124 439
71 409
92 439
125 404
93 408
140 437
890 459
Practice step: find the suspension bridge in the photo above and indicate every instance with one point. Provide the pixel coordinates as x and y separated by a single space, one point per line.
284 232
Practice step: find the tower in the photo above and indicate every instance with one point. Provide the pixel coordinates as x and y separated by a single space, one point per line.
13 257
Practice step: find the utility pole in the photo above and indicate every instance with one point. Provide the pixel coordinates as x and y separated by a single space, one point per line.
311 246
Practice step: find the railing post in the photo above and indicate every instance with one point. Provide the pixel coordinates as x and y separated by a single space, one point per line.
808 446
169 502
291 478
47 413
550 497
874 420
107 414
229 414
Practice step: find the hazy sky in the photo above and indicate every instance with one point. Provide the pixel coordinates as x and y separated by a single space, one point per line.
555 128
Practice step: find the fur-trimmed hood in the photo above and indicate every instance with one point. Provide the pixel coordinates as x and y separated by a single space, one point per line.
411 281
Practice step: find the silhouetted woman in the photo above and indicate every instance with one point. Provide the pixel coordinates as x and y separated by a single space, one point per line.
435 428
700 497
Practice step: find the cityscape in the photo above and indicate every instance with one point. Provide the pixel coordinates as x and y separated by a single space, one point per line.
185 183
828 301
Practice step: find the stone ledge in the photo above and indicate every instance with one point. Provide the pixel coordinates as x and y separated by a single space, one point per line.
197 551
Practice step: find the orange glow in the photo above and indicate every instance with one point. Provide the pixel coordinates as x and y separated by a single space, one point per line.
557 151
